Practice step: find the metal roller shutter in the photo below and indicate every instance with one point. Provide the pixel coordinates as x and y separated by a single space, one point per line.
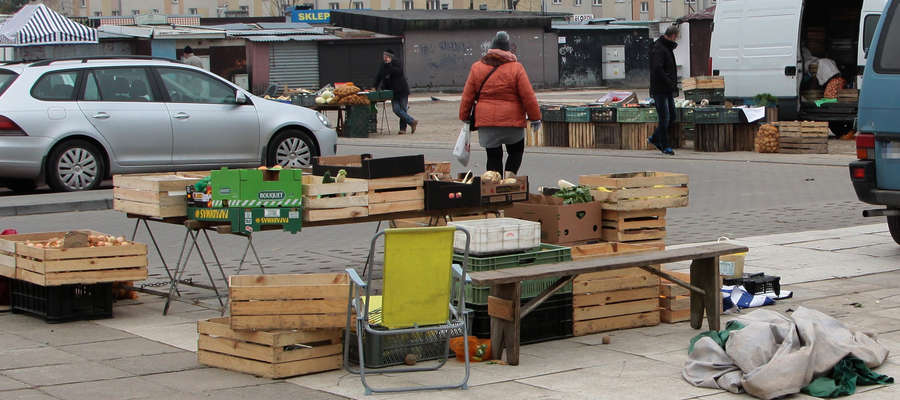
295 64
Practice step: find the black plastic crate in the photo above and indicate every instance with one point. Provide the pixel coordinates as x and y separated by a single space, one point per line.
390 350
551 320
438 195
757 283
367 167
603 114
62 303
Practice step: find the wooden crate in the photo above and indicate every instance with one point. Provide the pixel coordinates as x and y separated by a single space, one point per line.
703 82
154 195
402 193
848 96
634 136
639 190
438 169
353 200
555 134
714 138
745 136
81 265
607 135
629 226
803 129
803 145
617 299
674 299
271 354
581 135
534 138
308 301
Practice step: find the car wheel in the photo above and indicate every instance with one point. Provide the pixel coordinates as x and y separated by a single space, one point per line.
291 149
894 227
21 185
75 165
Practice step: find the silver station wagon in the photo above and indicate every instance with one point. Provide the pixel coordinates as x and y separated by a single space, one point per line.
72 123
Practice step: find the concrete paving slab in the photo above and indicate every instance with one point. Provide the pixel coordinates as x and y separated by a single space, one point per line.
204 380
878 250
7 383
639 380
36 357
65 373
120 348
120 389
141 315
183 336
637 343
17 323
843 243
73 333
493 391
28 394
274 390
156 364
9 341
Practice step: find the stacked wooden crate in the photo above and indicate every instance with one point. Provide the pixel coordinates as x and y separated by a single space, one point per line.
848 96
280 325
159 195
703 82
361 197
634 204
611 300
675 300
803 137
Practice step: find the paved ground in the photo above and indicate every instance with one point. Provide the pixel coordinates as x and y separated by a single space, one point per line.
849 273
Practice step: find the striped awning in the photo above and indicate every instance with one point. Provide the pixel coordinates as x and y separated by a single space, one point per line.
35 24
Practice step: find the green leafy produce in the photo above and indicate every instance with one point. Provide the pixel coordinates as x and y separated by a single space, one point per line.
765 100
575 195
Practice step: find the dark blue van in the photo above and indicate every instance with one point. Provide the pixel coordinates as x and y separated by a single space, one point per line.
876 175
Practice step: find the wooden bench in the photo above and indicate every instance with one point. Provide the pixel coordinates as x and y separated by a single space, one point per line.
506 311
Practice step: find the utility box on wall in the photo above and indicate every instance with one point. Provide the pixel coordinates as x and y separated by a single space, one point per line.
613 62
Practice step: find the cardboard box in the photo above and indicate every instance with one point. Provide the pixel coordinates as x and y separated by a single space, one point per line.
560 223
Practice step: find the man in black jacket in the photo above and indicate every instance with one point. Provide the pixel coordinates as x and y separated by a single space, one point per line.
390 76
664 86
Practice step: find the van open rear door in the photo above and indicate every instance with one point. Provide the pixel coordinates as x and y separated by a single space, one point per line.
755 46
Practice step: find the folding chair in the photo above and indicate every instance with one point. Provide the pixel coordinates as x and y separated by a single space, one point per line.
416 301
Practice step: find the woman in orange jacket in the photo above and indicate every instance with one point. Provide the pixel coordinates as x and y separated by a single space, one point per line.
505 102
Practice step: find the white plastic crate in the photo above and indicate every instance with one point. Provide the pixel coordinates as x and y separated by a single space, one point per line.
498 235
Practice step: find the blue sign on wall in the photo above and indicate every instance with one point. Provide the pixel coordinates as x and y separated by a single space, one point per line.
311 16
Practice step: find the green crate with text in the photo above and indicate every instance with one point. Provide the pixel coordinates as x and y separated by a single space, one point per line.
256 188
249 220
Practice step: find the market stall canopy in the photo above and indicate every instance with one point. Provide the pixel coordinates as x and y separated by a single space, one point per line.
35 24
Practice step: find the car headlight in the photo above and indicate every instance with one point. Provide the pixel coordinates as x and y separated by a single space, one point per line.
323 119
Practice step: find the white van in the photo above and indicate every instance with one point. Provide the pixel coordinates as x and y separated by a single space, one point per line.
758 46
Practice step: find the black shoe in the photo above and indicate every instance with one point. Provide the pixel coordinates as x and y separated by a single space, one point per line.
658 147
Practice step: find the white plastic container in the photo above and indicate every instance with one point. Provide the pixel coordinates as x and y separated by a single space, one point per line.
497 236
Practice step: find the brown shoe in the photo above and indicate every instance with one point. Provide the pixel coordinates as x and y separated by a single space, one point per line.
401 133
413 125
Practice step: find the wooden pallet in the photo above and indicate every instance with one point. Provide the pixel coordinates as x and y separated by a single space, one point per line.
581 135
352 200
629 226
803 145
639 190
674 299
803 129
745 137
714 138
154 195
617 299
555 134
703 82
308 301
634 136
391 195
608 135
270 354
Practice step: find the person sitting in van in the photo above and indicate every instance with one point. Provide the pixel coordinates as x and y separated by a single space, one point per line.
664 86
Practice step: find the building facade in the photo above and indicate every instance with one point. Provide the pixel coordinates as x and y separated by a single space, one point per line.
202 8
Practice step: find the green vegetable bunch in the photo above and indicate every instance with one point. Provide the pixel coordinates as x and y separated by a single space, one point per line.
765 100
575 195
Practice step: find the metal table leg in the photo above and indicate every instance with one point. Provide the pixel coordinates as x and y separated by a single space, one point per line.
247 249
137 225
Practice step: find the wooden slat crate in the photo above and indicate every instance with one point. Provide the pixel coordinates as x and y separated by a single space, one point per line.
353 200
154 195
714 138
848 96
675 300
703 82
80 265
629 226
607 135
634 136
271 354
402 193
803 128
555 134
581 135
618 299
803 137
639 190
534 138
308 301
441 169
745 136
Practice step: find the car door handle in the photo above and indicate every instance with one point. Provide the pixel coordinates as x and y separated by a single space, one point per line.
101 115
181 115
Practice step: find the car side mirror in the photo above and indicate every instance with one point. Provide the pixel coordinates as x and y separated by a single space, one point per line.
241 98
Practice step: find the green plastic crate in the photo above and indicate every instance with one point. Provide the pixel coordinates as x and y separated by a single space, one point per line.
380 95
553 114
546 254
636 115
578 114
717 115
684 115
715 96
357 123
731 116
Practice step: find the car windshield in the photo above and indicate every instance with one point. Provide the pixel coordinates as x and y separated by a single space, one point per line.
6 78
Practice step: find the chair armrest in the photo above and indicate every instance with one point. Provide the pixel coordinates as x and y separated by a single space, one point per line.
458 272
355 277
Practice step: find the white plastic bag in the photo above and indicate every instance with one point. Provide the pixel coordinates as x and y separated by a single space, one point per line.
463 148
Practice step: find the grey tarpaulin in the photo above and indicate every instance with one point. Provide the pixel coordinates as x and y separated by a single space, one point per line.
777 355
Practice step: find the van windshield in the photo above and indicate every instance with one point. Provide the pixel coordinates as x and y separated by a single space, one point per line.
869 25
6 78
888 62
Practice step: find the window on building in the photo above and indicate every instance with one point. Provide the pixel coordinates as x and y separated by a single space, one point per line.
445 6
433 4
116 13
645 7
557 1
358 5
174 1
135 12
690 1
245 8
98 13
334 6
578 3
192 11
83 3
156 11
409 5
598 3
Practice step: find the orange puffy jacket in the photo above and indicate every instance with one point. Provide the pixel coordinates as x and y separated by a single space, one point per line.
507 95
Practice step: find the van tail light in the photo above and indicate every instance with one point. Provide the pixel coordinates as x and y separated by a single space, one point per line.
9 128
865 146
858 173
